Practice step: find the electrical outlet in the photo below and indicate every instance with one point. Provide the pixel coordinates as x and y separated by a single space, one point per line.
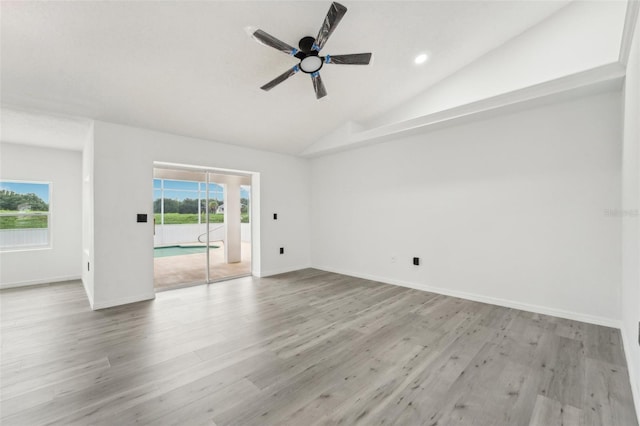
416 261
281 250
275 216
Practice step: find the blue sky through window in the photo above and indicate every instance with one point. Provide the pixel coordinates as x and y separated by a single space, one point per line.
180 185
40 189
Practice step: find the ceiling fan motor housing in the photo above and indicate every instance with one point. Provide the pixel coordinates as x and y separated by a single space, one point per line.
306 44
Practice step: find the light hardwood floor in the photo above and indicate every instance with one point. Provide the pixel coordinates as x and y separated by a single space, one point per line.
303 348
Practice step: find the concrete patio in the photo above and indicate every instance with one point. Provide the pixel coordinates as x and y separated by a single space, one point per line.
190 269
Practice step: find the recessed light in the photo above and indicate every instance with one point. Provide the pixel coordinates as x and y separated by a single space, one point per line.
421 58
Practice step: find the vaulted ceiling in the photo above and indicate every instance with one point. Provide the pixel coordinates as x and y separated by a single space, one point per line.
190 68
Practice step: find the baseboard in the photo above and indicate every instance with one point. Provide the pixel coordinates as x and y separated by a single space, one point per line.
40 281
631 368
123 301
576 316
268 273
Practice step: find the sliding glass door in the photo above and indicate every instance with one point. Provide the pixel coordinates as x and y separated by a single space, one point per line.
197 239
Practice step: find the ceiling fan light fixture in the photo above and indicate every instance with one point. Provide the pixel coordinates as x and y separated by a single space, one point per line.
311 64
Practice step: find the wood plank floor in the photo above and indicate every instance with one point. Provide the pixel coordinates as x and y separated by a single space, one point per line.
304 348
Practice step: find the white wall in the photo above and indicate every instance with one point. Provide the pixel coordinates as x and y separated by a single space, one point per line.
87 217
509 209
629 216
123 170
62 261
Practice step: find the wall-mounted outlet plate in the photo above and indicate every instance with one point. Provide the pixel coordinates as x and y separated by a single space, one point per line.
281 250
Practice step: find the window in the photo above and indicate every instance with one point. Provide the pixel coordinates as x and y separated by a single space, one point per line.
25 215
177 202
245 206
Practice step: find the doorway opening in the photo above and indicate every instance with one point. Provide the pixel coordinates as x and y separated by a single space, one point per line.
202 226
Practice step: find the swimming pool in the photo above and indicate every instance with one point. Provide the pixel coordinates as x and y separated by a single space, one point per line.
167 251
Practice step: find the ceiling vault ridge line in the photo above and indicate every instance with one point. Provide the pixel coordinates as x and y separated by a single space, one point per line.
608 73
7 106
631 18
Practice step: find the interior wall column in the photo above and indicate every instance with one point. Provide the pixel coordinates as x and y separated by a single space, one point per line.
232 218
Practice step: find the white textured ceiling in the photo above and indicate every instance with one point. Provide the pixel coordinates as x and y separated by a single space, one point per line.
29 128
190 68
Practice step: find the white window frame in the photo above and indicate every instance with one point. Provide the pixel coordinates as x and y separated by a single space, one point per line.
49 243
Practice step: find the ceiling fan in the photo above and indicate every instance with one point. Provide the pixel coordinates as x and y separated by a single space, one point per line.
309 52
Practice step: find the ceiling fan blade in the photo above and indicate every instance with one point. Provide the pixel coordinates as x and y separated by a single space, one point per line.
318 86
279 79
351 59
269 40
334 15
